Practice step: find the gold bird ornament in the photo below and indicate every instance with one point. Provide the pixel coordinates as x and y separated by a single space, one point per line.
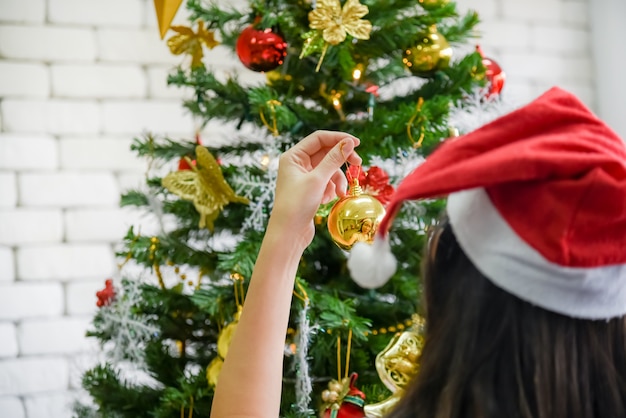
204 185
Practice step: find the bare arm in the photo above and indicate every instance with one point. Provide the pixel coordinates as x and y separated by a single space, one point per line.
309 173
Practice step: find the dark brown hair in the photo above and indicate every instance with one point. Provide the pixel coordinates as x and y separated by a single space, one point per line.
489 354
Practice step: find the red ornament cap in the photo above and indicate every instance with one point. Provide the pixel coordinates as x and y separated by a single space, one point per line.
374 182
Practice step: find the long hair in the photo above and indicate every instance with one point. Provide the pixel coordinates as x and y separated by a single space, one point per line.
489 354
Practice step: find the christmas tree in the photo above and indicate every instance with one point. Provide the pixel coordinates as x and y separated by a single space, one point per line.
389 72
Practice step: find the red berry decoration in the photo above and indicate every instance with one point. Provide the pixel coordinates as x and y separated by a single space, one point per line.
261 49
495 75
106 295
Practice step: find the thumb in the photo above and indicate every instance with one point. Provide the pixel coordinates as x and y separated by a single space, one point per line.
335 158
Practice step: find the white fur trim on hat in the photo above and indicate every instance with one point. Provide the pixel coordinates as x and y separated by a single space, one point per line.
513 265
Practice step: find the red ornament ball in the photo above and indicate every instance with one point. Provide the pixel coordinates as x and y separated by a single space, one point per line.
261 49
495 75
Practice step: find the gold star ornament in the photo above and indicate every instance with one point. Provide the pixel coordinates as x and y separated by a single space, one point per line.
189 42
205 186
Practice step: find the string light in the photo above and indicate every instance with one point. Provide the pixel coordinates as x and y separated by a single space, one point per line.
336 98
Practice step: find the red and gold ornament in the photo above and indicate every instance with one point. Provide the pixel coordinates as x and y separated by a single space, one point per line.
374 181
106 295
343 399
261 49
495 75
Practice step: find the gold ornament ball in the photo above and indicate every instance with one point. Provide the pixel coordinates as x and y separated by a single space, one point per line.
431 53
354 218
431 4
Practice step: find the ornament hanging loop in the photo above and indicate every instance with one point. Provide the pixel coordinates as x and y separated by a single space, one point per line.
273 128
417 117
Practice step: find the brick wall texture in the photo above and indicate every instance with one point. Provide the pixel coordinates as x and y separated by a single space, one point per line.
78 80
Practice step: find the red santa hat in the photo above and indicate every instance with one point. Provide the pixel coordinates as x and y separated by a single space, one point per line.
537 201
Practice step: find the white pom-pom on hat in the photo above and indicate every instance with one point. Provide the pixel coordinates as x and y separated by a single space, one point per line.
372 265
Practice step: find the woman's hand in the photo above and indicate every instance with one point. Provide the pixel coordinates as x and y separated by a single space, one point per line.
309 174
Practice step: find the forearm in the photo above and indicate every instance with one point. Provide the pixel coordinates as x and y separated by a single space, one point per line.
250 380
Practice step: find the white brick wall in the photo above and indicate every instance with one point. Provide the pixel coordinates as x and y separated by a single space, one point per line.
78 80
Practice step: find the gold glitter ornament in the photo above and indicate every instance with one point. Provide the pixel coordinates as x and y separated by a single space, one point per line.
431 53
335 22
204 185
354 217
189 42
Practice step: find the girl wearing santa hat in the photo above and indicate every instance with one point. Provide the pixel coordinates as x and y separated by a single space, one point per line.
524 280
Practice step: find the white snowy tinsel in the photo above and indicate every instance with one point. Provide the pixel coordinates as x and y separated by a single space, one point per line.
128 331
304 385
259 189
478 111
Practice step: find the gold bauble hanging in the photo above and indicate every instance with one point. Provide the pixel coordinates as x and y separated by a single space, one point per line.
431 4
354 218
431 53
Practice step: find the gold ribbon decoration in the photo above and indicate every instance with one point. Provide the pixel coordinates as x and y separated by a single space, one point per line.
189 42
335 23
165 11
204 185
